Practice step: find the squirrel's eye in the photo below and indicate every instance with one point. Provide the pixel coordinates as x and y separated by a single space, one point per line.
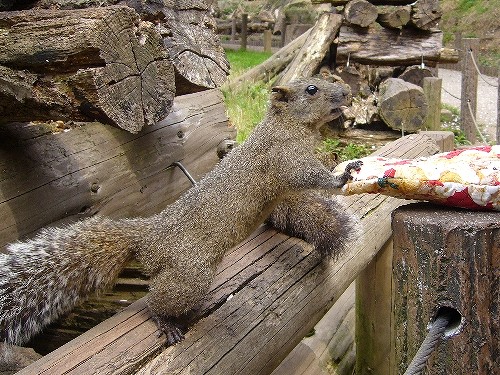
311 89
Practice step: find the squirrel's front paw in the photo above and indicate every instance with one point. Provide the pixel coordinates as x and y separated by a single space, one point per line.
355 165
172 331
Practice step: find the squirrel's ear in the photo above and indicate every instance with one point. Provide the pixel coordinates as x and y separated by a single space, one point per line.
280 93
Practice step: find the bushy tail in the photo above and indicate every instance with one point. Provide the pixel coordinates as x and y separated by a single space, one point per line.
318 218
45 277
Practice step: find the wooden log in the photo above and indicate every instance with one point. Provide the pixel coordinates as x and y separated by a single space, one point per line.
432 92
313 51
244 31
73 173
269 292
189 33
272 66
426 14
190 38
415 74
402 105
360 13
377 45
98 63
468 103
447 258
330 345
394 17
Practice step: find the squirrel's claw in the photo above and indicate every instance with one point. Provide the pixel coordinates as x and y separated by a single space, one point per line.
355 165
172 331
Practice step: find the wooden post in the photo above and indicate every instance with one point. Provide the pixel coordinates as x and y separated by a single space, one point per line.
268 40
373 315
446 258
470 48
244 31
432 91
233 28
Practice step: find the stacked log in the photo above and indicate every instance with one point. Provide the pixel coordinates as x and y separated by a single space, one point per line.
364 43
120 65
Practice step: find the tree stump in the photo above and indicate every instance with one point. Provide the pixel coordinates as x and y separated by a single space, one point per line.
447 258
87 64
402 105
360 13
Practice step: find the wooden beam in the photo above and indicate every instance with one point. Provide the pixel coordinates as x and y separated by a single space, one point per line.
54 175
269 292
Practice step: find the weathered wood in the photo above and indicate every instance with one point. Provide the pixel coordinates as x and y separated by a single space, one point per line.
244 31
190 38
272 66
329 347
468 103
373 315
268 40
360 13
425 14
446 257
268 293
313 51
188 30
445 140
402 105
415 74
432 92
377 45
498 109
96 168
394 17
88 64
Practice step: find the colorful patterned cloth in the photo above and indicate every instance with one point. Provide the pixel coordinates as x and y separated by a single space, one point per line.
467 178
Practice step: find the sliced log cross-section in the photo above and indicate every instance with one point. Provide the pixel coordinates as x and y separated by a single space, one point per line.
360 12
425 14
96 63
393 17
402 105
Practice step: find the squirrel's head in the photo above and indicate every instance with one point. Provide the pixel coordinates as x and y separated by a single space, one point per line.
312 101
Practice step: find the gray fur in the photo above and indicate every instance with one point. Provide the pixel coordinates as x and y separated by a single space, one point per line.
180 247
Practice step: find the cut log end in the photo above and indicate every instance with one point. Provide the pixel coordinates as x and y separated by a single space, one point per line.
360 13
402 105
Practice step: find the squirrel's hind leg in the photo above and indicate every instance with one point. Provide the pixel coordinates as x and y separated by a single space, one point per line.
172 330
172 294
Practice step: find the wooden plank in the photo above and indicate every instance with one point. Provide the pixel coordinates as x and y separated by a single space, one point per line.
373 314
97 168
264 300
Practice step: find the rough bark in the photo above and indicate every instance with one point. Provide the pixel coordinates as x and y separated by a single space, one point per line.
402 105
96 63
376 45
360 13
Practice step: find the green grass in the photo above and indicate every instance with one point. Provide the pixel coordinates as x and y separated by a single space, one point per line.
247 105
244 60
345 151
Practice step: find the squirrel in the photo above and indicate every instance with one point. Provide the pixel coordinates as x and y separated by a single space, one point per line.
181 246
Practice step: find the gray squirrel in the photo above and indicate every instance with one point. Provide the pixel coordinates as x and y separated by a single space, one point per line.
180 247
